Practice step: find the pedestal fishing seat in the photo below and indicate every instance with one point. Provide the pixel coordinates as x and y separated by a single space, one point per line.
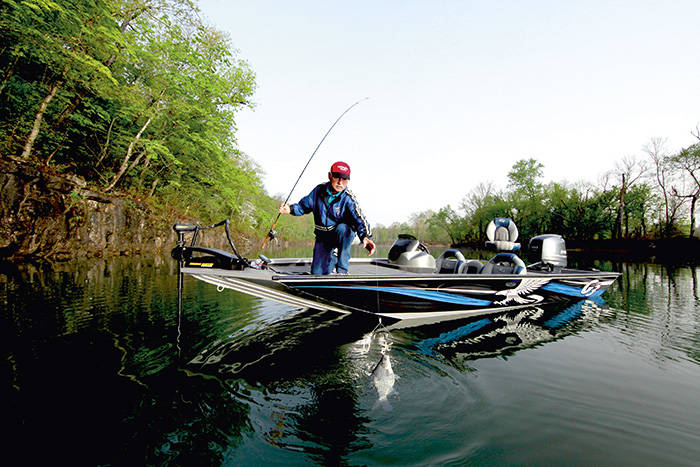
502 234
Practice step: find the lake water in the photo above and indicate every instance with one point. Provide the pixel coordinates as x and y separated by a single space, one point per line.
101 368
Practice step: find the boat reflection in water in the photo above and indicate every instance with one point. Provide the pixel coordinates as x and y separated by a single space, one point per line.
310 380
322 340
507 332
284 349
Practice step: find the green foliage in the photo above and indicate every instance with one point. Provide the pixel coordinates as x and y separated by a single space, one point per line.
524 177
448 222
638 204
385 235
687 164
136 96
583 212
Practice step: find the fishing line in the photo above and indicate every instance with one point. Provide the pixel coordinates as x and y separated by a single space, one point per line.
376 289
380 326
271 234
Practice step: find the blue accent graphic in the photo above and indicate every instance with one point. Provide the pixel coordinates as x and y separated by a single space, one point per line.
569 314
426 345
565 316
415 293
570 290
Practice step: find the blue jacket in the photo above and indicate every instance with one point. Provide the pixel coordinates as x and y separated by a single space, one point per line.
343 209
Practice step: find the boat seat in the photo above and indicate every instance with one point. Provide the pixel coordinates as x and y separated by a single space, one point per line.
505 263
502 234
449 262
473 266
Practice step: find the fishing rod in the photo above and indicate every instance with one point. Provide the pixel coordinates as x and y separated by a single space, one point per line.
272 234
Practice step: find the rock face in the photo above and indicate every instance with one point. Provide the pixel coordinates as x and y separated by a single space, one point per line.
43 214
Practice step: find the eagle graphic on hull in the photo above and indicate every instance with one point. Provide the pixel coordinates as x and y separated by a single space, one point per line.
522 293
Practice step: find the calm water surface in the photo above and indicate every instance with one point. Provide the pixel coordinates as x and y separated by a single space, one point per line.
100 368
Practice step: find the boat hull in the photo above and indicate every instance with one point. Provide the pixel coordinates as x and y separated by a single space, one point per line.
428 297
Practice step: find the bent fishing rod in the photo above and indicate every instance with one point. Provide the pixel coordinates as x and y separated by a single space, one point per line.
272 234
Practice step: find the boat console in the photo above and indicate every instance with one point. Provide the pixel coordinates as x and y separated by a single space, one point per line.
409 254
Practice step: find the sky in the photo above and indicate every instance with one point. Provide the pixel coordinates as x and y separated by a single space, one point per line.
459 91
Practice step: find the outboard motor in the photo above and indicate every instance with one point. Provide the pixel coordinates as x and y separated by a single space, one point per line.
409 254
547 252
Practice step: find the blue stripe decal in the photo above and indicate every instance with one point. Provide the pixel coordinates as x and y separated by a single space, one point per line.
565 316
570 290
415 293
426 346
569 314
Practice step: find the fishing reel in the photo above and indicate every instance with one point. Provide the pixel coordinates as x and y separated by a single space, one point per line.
272 235
262 263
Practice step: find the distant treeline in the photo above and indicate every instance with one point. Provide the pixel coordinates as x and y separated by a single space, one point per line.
648 198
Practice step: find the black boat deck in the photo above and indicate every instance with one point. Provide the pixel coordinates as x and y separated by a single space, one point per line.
360 266
381 267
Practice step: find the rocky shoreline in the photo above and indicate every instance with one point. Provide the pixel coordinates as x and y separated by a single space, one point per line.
55 216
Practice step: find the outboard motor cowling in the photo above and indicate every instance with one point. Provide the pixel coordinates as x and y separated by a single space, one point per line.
409 254
548 250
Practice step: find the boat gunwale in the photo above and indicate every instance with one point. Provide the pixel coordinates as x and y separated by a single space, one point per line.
266 274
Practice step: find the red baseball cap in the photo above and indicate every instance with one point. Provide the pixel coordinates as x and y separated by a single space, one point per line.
342 168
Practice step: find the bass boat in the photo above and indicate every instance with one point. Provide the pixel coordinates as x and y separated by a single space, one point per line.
409 285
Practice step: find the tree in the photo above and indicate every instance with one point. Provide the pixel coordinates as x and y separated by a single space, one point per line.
687 162
419 223
447 220
638 205
133 95
481 206
664 174
67 41
526 196
524 177
630 171
581 213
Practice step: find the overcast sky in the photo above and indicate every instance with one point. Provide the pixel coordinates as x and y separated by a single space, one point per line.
459 90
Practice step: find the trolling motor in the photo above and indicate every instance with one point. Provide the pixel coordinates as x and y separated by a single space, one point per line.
207 257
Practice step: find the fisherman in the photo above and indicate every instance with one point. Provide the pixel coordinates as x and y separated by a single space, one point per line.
337 216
